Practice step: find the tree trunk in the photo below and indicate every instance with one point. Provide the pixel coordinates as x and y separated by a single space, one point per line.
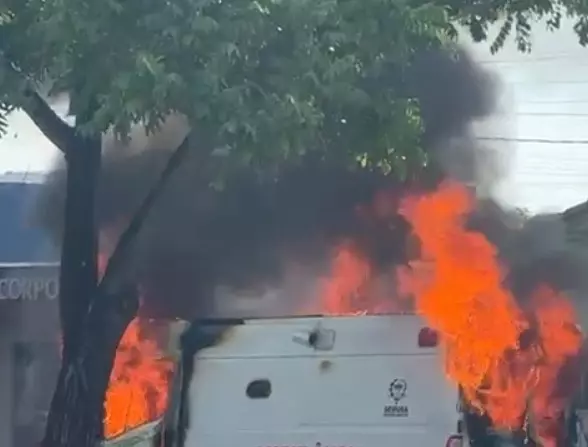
72 417
79 271
77 412
94 316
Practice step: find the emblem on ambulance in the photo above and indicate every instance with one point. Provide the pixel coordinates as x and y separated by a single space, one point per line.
397 390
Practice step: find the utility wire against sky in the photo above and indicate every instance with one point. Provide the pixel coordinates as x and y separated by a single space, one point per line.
554 102
530 60
533 140
551 114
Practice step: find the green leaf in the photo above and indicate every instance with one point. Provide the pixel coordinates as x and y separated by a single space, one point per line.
204 24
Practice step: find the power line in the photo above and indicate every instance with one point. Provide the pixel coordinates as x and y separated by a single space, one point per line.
546 82
550 114
528 60
557 101
538 65
534 140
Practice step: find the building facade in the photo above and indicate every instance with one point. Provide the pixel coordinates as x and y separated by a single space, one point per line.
29 320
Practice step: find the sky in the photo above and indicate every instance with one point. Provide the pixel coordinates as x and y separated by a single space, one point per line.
24 148
545 101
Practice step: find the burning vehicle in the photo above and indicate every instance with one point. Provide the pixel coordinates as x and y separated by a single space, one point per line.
350 378
294 381
494 298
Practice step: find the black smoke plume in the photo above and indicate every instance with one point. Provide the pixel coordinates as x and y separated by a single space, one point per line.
197 238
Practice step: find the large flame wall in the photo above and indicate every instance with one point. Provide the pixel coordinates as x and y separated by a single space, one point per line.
506 359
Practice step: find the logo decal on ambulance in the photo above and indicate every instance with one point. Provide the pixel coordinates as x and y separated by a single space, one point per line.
397 392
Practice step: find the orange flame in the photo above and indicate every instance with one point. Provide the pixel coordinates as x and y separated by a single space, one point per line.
560 340
341 293
353 288
457 286
138 388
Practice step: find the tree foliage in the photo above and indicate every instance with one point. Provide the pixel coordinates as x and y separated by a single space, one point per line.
261 83
517 19
267 80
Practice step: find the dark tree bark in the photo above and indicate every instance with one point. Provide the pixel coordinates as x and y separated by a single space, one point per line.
79 269
61 134
94 316
77 411
69 419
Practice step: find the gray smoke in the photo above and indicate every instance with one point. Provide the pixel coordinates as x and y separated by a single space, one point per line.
250 235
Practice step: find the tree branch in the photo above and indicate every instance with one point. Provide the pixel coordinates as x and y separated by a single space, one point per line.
61 134
113 273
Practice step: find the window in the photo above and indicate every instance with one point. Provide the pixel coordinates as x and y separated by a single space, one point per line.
259 389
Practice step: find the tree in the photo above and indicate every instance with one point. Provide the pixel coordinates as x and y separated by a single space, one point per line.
261 83
518 18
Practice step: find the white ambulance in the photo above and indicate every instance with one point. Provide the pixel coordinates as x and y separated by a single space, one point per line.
367 381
